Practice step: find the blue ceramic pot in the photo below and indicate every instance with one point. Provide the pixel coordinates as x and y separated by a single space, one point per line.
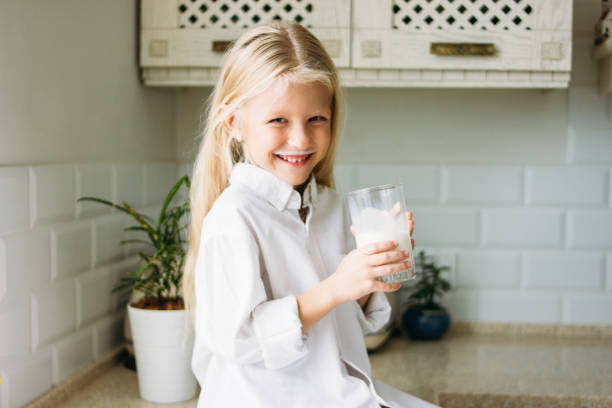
425 324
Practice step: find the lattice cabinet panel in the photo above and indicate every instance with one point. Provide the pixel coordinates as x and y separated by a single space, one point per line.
200 14
196 33
489 35
464 14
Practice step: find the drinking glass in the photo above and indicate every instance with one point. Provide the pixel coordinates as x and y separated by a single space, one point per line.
379 214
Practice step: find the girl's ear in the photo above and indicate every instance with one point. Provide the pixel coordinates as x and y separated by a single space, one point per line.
229 122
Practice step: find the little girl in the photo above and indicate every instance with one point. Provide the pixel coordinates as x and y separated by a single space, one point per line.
280 302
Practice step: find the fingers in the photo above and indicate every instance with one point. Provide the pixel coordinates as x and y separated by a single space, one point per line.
410 221
377 247
387 287
396 209
390 268
387 257
412 240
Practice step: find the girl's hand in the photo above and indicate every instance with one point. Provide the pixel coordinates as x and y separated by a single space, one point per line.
395 210
356 275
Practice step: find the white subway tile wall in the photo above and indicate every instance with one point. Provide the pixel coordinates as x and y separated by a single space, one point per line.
53 311
25 378
590 229
504 306
467 185
108 232
563 270
52 194
59 261
106 332
128 181
72 353
70 249
27 262
93 180
93 290
442 225
588 309
15 333
488 269
519 227
562 186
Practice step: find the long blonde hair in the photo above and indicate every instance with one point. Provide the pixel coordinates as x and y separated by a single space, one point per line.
261 56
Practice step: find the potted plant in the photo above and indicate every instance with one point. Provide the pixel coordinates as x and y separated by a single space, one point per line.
425 318
157 313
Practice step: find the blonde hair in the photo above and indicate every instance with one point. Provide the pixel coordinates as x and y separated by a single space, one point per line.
259 58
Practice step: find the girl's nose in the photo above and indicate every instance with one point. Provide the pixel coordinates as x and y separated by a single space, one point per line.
299 137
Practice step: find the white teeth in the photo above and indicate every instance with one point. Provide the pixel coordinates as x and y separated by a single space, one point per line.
294 160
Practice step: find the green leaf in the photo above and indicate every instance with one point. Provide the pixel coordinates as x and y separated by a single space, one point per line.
135 241
139 217
135 228
140 270
105 202
169 198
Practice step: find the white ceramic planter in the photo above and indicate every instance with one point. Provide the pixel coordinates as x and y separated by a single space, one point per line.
163 355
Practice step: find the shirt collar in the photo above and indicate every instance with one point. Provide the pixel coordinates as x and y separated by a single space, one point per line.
268 186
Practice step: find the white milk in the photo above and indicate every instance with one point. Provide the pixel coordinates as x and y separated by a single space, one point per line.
404 244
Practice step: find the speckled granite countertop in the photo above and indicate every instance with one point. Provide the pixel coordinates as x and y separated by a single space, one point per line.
462 370
485 369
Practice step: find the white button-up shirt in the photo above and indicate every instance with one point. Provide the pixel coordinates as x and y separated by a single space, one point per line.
256 256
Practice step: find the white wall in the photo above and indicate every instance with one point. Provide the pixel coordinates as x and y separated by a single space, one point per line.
74 120
69 87
511 188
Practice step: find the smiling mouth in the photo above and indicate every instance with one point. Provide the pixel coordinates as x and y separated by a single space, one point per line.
294 159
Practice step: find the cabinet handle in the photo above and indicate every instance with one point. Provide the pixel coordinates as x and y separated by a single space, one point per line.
462 49
221 46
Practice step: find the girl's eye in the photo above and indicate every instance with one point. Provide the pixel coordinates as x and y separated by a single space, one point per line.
277 120
318 118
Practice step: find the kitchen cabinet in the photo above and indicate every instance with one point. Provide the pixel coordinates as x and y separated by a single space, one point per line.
506 43
183 41
380 43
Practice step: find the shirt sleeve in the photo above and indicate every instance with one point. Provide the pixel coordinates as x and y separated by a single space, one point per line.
234 316
376 314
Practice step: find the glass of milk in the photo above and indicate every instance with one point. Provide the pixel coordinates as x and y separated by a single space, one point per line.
379 214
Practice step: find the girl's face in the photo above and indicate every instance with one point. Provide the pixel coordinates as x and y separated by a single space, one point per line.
287 129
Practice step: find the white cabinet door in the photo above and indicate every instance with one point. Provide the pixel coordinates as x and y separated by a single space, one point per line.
525 35
195 33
